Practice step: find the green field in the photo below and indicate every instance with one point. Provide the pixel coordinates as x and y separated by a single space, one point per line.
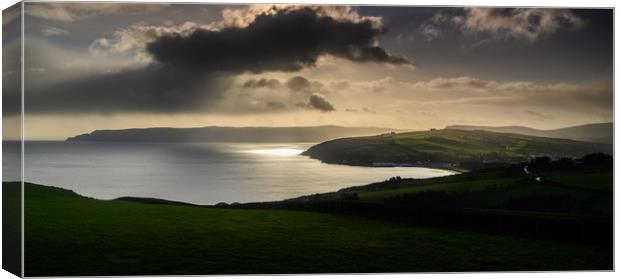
596 180
494 193
66 234
574 189
448 148
452 187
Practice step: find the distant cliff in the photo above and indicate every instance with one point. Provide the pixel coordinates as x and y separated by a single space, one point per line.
230 134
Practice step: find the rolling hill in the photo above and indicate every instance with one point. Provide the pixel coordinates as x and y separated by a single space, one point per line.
71 235
229 134
447 148
597 132
567 200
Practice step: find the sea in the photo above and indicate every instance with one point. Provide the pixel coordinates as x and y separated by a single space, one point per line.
199 173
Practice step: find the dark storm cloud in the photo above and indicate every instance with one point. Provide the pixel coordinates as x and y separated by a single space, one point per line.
150 89
287 40
191 72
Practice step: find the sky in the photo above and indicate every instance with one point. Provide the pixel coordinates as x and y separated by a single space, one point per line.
92 66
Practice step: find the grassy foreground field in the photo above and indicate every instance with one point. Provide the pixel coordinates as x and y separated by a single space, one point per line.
66 234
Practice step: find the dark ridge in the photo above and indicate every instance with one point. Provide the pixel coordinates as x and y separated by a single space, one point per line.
153 201
230 134
596 132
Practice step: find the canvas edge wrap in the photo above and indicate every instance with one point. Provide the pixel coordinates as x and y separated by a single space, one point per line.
12 139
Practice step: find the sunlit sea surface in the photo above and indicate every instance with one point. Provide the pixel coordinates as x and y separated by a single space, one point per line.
202 173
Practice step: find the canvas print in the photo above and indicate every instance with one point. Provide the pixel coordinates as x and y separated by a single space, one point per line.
201 139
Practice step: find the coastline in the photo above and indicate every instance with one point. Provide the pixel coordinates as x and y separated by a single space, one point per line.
452 167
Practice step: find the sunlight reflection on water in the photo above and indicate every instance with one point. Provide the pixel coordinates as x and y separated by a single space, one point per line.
277 151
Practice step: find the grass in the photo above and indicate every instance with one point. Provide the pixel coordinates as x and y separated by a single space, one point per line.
66 234
453 187
494 192
11 228
574 189
598 180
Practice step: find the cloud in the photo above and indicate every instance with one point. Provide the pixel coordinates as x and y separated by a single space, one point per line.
150 89
49 66
522 23
54 31
275 106
381 85
245 16
287 40
339 85
297 83
458 82
282 95
431 28
302 84
471 83
294 84
527 24
540 115
132 40
271 83
430 32
473 93
242 106
364 110
318 102
79 11
63 82
575 98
